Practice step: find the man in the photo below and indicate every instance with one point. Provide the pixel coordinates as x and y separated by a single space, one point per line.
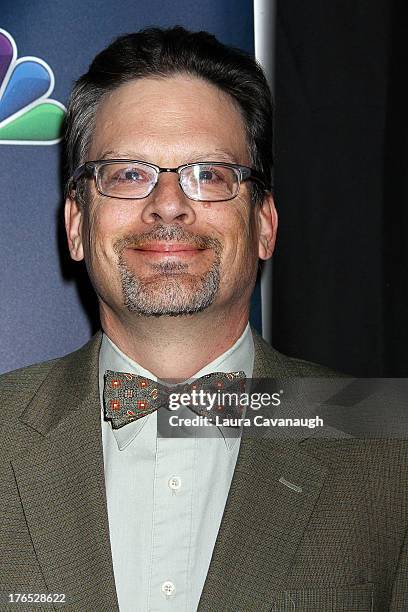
169 204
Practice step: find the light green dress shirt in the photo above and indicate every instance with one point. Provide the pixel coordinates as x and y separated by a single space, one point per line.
166 496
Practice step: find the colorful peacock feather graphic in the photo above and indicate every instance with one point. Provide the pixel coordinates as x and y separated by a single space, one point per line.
27 114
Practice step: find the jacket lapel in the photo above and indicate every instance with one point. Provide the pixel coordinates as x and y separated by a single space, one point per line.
61 483
264 518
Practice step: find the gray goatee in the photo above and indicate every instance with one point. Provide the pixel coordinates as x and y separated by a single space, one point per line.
171 290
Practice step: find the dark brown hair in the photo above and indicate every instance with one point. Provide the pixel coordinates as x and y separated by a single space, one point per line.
156 52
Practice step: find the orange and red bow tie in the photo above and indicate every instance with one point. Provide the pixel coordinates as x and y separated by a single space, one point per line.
128 397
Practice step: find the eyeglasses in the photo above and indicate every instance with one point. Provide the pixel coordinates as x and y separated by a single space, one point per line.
134 180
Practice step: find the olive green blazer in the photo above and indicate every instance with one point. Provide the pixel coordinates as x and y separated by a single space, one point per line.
333 543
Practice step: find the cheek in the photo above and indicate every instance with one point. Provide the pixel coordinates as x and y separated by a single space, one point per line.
104 224
94 232
240 233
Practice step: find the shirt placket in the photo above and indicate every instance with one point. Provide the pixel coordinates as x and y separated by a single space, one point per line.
172 521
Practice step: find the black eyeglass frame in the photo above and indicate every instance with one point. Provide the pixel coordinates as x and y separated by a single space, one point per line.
90 169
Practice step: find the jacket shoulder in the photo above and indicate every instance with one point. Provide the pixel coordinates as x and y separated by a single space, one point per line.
309 368
271 362
25 379
18 387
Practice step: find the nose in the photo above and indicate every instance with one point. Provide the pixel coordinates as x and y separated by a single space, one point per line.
167 202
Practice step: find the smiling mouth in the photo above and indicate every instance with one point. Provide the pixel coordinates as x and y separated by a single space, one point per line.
168 248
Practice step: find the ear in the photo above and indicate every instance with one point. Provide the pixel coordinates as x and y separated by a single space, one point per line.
268 225
73 226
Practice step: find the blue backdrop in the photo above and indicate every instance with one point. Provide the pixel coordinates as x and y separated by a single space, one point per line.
42 315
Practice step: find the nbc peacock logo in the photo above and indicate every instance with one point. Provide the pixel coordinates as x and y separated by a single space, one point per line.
27 115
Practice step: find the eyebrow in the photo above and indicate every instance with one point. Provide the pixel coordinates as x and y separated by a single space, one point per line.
216 154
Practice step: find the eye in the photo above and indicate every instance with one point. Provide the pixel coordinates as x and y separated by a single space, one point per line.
133 175
126 175
209 175
205 175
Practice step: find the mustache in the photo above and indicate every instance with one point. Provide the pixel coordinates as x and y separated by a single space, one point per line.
174 233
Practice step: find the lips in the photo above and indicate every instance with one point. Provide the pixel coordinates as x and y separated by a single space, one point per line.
166 247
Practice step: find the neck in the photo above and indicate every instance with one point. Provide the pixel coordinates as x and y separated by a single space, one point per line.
175 347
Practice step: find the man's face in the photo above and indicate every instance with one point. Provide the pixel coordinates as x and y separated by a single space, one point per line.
166 254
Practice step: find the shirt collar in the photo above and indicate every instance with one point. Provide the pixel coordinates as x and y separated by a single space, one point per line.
240 356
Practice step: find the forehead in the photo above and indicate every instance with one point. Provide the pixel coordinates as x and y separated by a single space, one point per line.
168 120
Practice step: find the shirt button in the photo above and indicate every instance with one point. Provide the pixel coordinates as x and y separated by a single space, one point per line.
168 588
174 483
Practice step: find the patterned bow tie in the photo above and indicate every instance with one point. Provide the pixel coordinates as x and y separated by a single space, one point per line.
128 397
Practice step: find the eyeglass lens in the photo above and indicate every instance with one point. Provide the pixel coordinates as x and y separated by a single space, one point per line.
199 181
